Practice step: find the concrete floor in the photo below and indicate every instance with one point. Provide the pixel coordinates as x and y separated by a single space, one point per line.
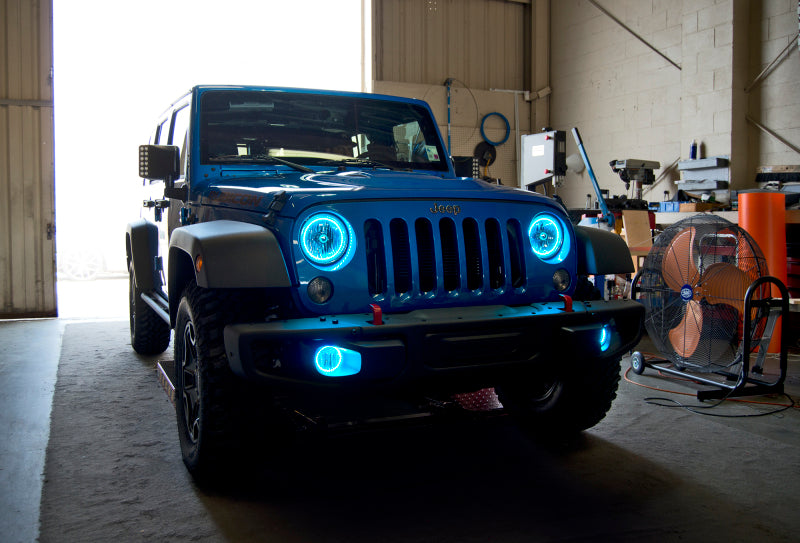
28 365
29 362
29 353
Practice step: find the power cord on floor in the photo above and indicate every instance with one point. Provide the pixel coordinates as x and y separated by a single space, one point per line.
661 402
695 409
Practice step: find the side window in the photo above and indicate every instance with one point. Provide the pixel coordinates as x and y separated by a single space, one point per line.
159 137
162 130
180 126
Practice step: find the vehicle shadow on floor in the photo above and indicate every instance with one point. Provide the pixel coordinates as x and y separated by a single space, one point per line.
479 481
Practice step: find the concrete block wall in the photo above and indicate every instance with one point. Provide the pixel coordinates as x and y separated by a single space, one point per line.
775 102
629 102
624 98
707 76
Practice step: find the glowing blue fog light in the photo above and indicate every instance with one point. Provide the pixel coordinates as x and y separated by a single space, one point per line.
324 238
332 361
546 236
605 338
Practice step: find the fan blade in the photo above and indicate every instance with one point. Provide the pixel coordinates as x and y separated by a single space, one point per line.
686 336
724 283
677 267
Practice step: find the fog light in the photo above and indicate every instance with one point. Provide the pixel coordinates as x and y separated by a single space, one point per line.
332 361
561 280
320 290
605 338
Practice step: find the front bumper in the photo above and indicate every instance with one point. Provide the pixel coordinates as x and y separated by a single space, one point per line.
450 347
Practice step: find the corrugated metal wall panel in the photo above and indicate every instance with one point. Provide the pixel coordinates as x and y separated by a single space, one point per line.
479 42
486 46
468 108
27 215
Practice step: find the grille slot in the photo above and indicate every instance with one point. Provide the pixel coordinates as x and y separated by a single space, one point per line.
494 250
515 254
401 256
472 254
376 257
423 256
450 262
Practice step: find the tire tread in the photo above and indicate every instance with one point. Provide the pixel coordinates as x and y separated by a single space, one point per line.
150 334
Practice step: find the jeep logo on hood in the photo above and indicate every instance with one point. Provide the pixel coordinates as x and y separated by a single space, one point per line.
442 208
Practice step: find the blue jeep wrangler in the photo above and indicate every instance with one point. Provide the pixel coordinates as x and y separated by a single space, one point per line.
321 264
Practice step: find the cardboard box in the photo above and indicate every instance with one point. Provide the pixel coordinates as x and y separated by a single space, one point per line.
700 206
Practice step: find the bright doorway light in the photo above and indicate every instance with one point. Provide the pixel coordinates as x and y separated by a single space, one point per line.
117 65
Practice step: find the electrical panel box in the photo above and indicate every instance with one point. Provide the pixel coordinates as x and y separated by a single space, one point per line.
544 157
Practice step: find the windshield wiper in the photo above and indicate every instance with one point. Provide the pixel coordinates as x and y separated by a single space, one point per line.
260 158
365 162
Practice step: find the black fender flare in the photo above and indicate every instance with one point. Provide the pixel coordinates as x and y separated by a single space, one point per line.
142 248
226 254
601 252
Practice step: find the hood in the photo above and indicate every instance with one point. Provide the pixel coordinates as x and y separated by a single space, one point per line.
254 191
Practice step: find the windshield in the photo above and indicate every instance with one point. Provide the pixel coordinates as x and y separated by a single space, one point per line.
310 129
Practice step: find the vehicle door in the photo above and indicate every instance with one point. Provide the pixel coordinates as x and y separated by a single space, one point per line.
164 212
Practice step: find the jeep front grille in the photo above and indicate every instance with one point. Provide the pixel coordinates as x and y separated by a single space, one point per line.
440 257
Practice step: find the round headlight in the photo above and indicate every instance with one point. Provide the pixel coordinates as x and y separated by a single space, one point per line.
546 236
324 238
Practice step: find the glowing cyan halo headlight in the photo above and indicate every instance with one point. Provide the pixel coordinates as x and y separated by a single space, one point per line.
325 238
605 338
328 359
332 361
546 236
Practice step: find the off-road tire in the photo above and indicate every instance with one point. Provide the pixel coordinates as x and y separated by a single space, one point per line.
149 332
218 414
565 402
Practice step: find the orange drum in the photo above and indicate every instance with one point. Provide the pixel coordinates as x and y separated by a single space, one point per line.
763 215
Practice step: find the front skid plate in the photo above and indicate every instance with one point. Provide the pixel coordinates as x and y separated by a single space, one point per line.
481 403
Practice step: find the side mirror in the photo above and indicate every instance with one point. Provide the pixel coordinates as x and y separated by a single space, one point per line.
159 162
162 162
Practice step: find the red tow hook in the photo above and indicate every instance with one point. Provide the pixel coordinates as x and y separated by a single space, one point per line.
567 303
377 314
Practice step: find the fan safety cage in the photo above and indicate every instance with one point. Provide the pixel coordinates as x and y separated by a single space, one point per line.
693 285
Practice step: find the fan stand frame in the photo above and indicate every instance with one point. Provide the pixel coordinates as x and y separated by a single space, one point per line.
746 383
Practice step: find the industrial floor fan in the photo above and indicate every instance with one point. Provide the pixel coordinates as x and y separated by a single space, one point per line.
709 307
